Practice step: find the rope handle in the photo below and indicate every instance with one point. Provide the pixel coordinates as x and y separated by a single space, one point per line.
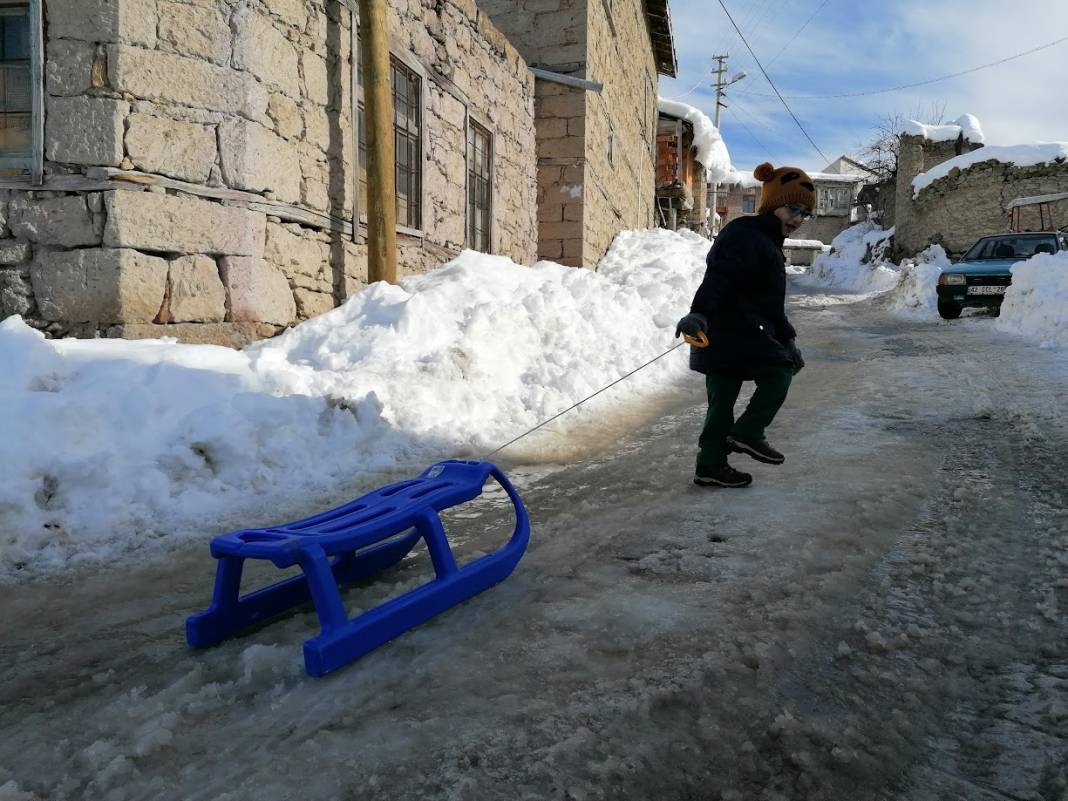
700 340
594 395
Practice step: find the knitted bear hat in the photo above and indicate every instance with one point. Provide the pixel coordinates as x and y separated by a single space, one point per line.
784 186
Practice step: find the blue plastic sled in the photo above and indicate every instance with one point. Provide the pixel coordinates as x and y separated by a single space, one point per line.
350 543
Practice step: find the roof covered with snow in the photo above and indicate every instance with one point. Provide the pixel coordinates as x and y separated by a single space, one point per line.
711 149
966 124
841 177
1020 155
745 178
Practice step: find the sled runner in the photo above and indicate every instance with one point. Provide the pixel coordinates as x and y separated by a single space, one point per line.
350 543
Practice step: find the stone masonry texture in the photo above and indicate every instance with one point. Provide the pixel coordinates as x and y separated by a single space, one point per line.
245 106
595 150
957 209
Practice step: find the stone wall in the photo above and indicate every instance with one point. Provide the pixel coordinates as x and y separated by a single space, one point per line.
585 195
697 219
823 227
619 178
200 165
956 210
917 154
552 35
561 126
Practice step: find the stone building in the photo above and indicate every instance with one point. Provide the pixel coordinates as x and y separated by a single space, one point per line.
193 169
974 196
596 149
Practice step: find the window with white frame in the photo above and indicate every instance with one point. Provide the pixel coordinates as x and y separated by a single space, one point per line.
407 142
650 116
834 200
479 186
749 205
18 97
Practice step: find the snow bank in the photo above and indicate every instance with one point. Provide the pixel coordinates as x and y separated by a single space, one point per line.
966 124
711 149
916 295
856 262
113 445
1020 155
1036 305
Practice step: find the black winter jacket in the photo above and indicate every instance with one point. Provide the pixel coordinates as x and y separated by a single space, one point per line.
743 296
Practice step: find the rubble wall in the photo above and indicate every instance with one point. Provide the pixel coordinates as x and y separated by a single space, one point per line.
200 163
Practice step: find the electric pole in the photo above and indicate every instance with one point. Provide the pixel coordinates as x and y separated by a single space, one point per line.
378 102
720 72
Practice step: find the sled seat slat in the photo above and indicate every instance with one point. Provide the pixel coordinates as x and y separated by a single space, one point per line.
352 542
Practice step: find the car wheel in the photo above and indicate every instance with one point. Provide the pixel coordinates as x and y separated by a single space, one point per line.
948 311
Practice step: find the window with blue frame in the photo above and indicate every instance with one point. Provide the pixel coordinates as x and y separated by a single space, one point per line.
16 89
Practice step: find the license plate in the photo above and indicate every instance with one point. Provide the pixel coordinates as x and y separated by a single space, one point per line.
986 290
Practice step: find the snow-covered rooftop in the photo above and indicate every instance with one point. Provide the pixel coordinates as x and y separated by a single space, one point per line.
745 178
742 178
967 124
842 177
1020 155
711 149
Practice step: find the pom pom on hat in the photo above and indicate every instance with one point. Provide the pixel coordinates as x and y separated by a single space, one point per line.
783 186
764 173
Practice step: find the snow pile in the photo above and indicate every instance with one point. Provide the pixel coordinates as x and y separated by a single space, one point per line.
744 179
856 262
711 149
967 124
1036 305
111 444
916 295
1020 155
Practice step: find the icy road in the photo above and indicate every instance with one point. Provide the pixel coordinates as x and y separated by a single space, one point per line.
883 617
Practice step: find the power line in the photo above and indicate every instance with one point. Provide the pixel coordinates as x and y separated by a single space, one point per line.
772 83
754 137
798 33
764 30
738 107
919 83
691 90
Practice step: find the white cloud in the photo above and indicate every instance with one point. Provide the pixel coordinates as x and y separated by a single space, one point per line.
856 47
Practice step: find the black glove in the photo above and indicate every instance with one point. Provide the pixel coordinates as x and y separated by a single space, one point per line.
795 354
692 324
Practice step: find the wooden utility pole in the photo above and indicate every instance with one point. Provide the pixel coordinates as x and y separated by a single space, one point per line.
378 116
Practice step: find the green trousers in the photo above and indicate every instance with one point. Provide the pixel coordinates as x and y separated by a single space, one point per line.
772 384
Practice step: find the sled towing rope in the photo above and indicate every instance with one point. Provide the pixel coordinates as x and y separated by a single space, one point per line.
357 540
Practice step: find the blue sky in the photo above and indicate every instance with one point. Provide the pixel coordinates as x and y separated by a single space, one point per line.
852 46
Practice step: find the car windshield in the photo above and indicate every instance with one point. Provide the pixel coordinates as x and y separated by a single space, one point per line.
1011 247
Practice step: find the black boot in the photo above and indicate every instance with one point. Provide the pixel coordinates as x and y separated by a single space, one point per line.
721 476
759 449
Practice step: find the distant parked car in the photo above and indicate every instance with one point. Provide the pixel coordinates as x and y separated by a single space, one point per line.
981 276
